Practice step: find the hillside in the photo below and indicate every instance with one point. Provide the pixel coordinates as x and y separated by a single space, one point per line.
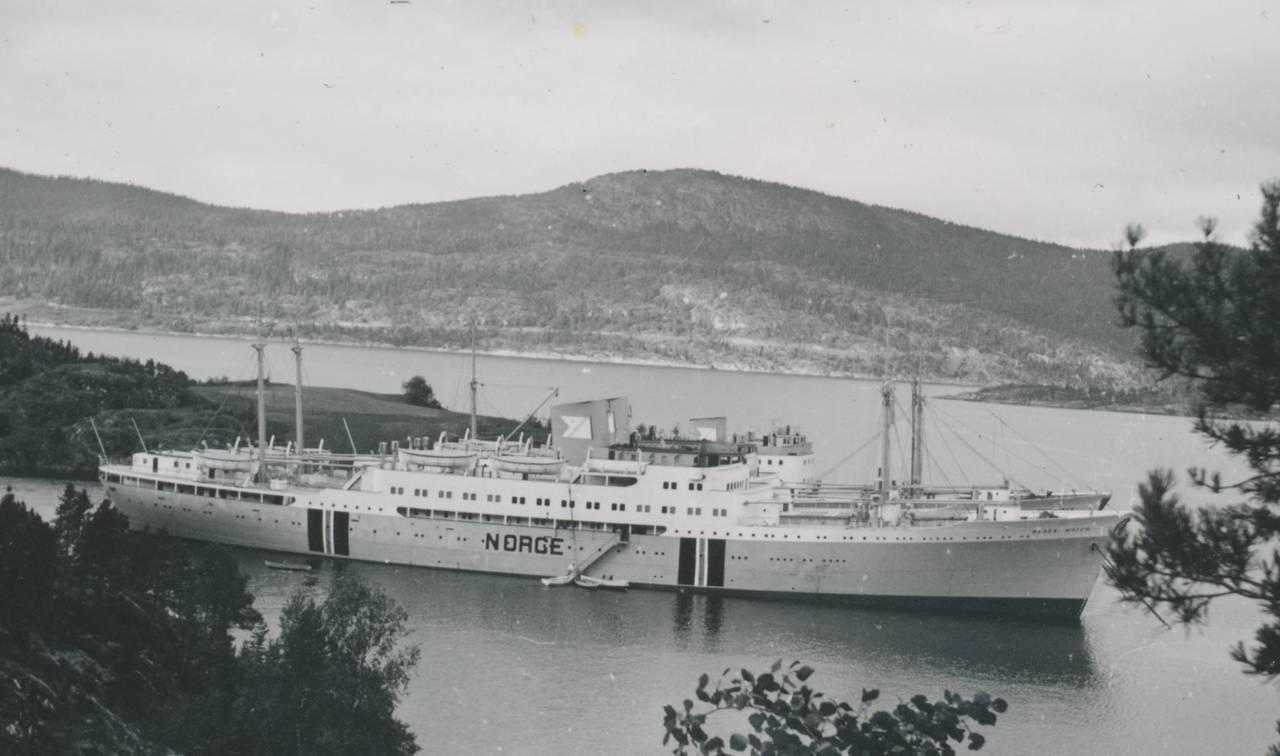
682 266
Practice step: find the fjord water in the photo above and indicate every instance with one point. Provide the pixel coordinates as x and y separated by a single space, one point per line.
511 667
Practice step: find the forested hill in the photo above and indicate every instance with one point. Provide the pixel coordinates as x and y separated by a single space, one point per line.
686 265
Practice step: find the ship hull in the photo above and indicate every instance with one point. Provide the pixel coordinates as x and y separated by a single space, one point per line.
1036 568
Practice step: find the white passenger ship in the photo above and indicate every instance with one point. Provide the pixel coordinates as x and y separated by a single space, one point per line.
738 516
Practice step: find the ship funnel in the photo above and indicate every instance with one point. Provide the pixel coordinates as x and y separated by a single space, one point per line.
577 427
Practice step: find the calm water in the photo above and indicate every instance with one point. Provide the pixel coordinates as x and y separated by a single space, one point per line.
511 667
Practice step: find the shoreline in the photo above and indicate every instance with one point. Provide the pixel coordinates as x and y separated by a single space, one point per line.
505 353
974 392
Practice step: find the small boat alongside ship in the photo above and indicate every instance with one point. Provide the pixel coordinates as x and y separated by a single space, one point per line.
736 515
566 579
607 584
287 566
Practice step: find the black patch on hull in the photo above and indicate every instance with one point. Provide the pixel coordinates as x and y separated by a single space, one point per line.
688 561
315 530
715 562
340 542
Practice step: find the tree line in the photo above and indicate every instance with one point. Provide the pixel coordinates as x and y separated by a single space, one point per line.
116 641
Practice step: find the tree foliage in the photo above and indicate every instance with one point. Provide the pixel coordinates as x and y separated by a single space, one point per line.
330 682
419 393
1210 320
49 389
786 716
114 641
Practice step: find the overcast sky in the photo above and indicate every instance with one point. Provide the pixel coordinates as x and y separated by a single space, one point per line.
1059 123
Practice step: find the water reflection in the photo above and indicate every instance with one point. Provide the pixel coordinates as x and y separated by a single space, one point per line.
499 607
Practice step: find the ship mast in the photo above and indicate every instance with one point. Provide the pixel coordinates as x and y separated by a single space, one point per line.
917 433
474 383
262 417
886 394
297 395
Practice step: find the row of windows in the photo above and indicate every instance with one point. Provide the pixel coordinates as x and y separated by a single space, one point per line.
497 499
570 503
206 491
671 485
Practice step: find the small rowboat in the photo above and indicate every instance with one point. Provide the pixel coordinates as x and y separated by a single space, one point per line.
290 566
528 464
441 458
564 579
609 584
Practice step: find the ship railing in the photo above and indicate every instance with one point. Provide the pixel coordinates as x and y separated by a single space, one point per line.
846 504
104 459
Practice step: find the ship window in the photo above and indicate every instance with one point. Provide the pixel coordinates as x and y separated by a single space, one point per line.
563 503
272 499
622 507
614 506
688 510
697 510
186 489
250 497
699 486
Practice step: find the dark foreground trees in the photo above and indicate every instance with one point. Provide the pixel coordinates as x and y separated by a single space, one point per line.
786 716
1213 320
113 641
330 682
